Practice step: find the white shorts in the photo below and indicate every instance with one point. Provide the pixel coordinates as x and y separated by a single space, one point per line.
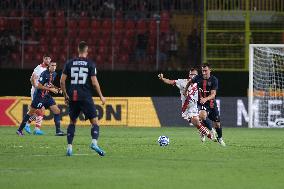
190 112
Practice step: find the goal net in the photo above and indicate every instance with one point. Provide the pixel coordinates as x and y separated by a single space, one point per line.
266 86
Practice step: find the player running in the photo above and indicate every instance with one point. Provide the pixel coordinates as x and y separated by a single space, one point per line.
208 86
79 75
189 101
42 98
38 116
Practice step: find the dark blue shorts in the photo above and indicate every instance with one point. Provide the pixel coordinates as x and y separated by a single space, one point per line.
39 102
212 113
86 106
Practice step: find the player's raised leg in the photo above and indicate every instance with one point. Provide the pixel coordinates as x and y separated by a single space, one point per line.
24 121
207 123
39 118
89 110
202 130
95 132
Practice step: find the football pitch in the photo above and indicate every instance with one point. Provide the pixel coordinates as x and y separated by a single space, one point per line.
253 158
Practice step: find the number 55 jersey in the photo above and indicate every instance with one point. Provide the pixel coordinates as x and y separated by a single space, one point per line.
79 72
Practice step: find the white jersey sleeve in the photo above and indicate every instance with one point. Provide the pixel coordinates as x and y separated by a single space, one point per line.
181 83
37 72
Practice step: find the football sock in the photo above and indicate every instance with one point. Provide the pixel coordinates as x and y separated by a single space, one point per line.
70 133
57 122
204 130
32 118
219 132
39 119
95 131
94 141
23 124
207 123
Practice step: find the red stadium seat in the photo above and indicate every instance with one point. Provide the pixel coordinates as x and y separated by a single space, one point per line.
62 59
102 50
2 24
55 41
99 59
72 24
83 14
129 34
30 49
118 15
48 23
49 14
124 59
118 25
165 26
72 33
94 34
15 24
141 26
37 24
102 42
38 57
130 25
95 25
106 34
165 15
49 32
84 23
27 58
151 49
60 33
60 23
14 13
106 25
60 13
91 41
153 25
84 34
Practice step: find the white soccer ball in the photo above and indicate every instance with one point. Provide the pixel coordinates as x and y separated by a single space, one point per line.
163 140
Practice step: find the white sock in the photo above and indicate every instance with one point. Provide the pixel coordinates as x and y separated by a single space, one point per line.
95 142
37 128
69 146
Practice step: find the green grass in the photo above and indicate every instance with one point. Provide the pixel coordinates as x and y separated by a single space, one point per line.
253 158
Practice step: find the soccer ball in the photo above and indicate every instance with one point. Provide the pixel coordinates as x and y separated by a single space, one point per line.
163 140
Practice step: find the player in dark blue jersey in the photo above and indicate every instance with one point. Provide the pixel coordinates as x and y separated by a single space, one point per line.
208 86
43 98
77 81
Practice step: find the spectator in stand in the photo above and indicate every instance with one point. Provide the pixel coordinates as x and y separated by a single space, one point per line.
141 47
194 48
172 40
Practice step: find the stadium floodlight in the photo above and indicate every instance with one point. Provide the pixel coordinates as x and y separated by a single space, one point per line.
266 86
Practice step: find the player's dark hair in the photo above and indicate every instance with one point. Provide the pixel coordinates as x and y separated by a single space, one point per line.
193 69
46 55
82 45
206 65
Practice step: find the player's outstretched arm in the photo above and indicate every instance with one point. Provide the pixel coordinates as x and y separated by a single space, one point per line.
165 80
96 84
63 87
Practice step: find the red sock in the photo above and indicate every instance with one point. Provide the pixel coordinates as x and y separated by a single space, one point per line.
203 130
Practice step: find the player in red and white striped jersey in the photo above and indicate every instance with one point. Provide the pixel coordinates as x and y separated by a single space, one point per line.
34 81
189 102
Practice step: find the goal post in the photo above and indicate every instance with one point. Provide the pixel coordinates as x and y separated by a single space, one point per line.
266 86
